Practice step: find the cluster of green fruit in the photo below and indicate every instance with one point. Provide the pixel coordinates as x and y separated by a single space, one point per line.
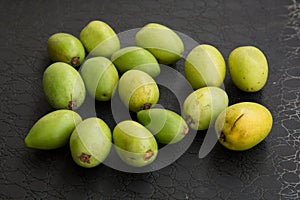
239 127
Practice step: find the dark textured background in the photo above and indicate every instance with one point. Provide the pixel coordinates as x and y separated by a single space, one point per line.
268 171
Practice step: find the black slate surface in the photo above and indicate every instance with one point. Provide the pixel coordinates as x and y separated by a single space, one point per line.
268 171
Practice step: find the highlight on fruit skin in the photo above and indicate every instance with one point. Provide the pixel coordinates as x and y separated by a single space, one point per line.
243 125
135 145
161 41
248 68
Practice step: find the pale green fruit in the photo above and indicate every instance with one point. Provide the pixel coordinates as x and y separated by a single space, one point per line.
202 107
205 66
167 126
99 39
248 68
243 125
100 77
135 145
90 142
138 90
63 86
53 130
64 47
135 58
161 41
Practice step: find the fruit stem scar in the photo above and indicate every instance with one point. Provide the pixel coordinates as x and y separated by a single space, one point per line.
84 158
222 137
71 105
148 154
75 61
234 124
189 120
146 106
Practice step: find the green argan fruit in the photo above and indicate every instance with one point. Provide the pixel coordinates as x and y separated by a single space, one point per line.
205 66
135 145
52 130
63 86
90 142
248 68
135 58
161 41
203 106
243 125
99 39
167 126
64 47
100 77
138 90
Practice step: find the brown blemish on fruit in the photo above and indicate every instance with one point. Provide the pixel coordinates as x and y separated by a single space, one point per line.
146 106
148 154
189 120
185 130
84 158
71 105
75 61
237 119
222 137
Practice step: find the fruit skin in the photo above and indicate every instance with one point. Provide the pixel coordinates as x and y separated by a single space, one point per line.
64 47
99 39
63 86
100 77
135 58
90 142
161 41
167 126
205 66
138 90
135 145
53 130
248 68
243 125
203 106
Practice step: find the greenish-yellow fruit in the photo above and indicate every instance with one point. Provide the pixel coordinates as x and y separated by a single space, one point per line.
167 126
202 107
63 86
138 90
205 66
64 47
99 39
100 77
90 142
135 145
52 130
248 68
243 125
161 41
135 58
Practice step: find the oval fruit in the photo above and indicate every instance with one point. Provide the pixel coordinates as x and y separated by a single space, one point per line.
243 125
64 47
90 142
205 66
135 58
63 86
161 41
99 39
203 106
248 68
100 77
52 130
138 90
167 126
135 145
